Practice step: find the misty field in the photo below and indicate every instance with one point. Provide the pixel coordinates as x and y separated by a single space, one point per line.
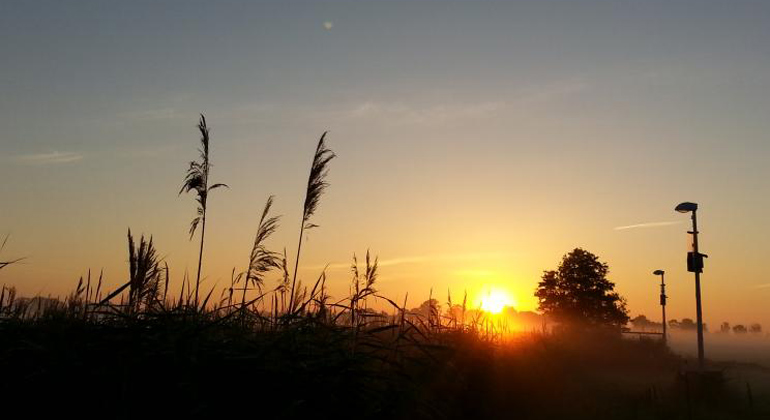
270 345
171 360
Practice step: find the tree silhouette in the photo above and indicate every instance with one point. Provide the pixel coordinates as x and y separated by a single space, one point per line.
578 292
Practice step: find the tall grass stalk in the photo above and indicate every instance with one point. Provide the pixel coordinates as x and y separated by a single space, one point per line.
197 180
261 260
316 184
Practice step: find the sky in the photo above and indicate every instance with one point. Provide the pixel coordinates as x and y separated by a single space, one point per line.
477 142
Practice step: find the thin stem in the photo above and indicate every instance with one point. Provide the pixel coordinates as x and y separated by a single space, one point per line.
296 266
243 298
200 257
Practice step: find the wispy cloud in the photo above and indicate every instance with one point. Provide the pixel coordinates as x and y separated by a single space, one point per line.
428 114
419 112
647 225
50 158
553 91
762 286
417 259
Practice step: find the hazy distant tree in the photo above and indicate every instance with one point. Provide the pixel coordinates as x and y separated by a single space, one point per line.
429 310
739 329
687 324
642 323
197 180
724 328
755 328
578 292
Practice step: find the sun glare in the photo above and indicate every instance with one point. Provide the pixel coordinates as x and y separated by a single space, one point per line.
495 300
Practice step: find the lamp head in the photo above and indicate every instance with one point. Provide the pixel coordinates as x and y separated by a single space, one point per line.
659 272
686 207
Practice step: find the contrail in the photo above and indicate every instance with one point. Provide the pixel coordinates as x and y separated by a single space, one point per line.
49 158
647 225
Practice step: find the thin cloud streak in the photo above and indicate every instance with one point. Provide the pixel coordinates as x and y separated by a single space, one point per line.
442 112
762 286
553 92
415 260
408 112
433 114
646 225
50 158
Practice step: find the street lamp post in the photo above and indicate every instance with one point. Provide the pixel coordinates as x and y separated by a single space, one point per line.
662 275
695 265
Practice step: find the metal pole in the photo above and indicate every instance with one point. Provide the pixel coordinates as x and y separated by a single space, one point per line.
699 311
663 304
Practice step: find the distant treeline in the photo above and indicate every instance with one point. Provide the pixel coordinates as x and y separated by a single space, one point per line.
642 323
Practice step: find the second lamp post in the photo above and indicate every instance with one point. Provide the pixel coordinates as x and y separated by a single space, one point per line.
662 275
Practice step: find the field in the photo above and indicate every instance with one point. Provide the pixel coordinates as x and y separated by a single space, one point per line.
89 360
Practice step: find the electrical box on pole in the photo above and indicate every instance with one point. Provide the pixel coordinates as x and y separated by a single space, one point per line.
695 262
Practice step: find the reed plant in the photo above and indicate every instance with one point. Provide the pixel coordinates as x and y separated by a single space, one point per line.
316 185
261 259
197 181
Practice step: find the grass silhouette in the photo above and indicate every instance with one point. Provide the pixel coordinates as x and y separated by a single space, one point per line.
197 180
294 352
316 184
4 264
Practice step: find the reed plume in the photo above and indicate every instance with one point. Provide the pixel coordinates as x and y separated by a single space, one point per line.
145 272
363 286
197 180
316 185
262 260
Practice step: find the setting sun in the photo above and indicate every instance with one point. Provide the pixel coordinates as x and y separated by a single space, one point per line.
495 300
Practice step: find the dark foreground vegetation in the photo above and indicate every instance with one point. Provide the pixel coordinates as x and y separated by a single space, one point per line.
184 363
